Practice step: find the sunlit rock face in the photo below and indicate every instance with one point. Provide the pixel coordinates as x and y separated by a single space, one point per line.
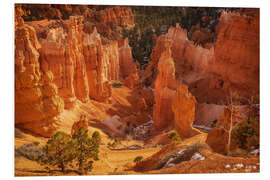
183 106
189 59
126 62
174 104
83 64
62 53
230 64
165 89
37 103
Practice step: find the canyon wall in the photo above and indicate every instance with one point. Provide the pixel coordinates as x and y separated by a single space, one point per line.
230 65
37 104
237 50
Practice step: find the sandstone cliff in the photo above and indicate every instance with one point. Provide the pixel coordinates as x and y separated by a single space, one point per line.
37 103
237 53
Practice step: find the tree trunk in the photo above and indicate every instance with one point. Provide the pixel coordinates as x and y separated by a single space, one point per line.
62 166
81 169
230 131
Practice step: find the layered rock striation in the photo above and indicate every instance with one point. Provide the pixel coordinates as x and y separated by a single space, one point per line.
37 103
183 106
83 64
236 58
165 89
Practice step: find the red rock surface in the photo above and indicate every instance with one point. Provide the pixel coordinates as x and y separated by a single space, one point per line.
237 53
117 15
165 89
231 64
127 65
207 114
83 64
82 123
37 103
183 107
174 104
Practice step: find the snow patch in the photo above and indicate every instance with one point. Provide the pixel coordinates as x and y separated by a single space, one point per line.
197 156
239 166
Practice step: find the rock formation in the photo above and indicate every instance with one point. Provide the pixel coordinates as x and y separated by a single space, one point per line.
83 64
189 59
62 53
82 123
183 107
174 104
237 53
127 65
231 64
102 63
37 103
165 90
206 115
117 15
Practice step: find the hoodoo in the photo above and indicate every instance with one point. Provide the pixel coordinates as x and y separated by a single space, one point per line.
37 103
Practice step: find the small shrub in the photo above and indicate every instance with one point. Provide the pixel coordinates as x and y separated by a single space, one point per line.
247 134
137 159
175 137
36 143
30 151
115 143
116 85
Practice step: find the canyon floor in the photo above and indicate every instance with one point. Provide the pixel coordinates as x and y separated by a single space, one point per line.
120 160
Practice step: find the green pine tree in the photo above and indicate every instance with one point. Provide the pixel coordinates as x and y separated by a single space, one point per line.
59 150
86 149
